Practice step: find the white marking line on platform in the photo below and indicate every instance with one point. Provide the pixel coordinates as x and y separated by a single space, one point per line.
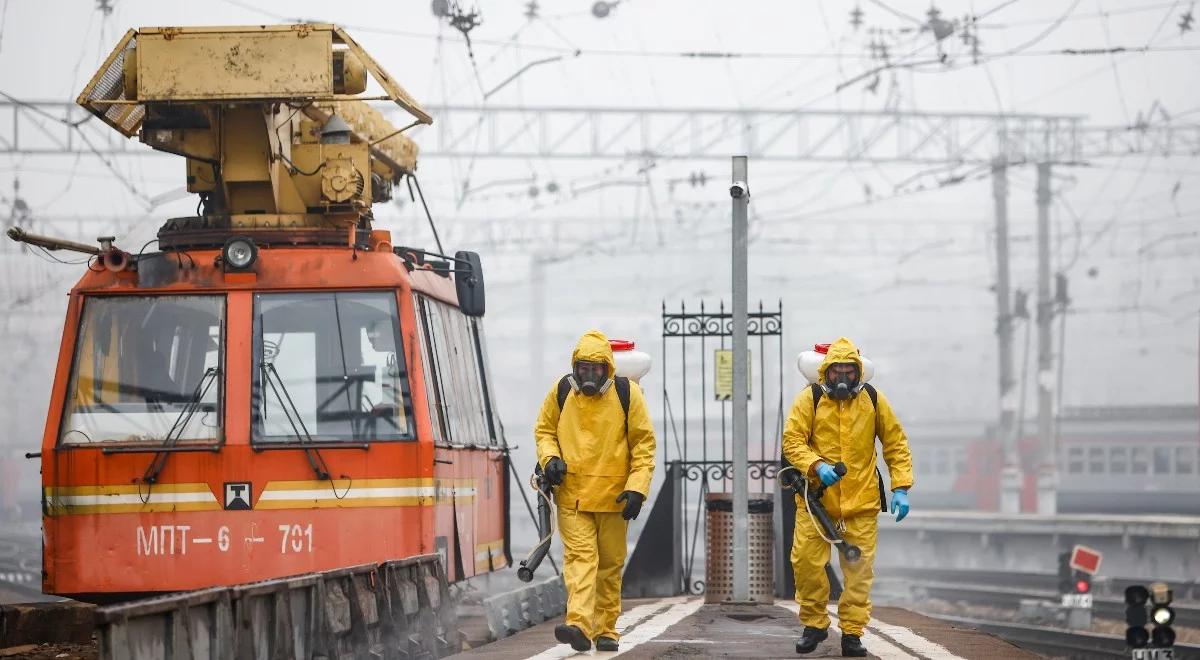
656 625
913 641
875 644
627 620
637 614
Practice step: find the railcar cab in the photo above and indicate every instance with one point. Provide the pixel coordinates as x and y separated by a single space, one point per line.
277 390
308 408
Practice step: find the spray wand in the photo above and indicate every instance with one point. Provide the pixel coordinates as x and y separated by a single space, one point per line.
545 523
816 511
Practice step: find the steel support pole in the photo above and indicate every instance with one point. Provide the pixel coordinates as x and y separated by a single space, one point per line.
1047 477
1010 475
740 192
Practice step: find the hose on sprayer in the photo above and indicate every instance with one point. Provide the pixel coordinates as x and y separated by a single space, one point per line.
820 518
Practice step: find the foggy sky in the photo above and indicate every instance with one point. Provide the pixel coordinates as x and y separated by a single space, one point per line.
907 277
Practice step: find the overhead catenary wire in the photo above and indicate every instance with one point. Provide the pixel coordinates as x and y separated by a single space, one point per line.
681 54
1060 17
897 13
941 60
78 127
412 181
733 54
3 23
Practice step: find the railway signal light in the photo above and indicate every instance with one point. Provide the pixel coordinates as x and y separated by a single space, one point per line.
1083 583
1065 574
1075 587
1162 615
1135 616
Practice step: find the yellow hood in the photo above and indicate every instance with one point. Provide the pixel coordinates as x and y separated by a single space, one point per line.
593 346
840 351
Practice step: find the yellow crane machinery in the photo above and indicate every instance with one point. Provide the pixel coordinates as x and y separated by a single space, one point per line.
273 121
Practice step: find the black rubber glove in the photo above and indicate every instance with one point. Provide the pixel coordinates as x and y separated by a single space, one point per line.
555 470
633 503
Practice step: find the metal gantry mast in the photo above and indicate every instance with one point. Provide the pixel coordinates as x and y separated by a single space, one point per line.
764 134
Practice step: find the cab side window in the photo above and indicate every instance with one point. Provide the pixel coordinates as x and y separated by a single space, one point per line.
454 376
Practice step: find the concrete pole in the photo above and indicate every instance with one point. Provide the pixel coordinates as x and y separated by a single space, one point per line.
740 192
1047 477
1010 475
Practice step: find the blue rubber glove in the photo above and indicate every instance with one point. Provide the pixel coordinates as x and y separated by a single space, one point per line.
900 503
827 475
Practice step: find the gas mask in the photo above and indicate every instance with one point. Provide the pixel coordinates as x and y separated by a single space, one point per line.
591 378
841 380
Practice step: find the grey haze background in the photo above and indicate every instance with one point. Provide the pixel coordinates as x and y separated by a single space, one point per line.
907 276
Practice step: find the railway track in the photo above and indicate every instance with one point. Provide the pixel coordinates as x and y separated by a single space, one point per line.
1187 613
1059 643
20 568
1101 585
1005 591
18 581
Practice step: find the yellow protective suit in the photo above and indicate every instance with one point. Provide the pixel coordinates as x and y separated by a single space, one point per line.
604 457
842 431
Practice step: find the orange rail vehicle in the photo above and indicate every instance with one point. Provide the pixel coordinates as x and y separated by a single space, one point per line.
277 390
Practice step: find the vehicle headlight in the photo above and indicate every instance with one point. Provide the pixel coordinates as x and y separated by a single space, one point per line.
239 253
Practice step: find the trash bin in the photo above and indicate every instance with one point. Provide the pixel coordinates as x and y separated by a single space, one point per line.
718 565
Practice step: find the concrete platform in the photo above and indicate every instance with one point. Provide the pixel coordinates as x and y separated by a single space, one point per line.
686 628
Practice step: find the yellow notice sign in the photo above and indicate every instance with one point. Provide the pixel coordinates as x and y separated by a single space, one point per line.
723 374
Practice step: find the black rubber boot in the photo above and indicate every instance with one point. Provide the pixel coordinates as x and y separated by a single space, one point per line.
811 639
572 635
606 644
852 647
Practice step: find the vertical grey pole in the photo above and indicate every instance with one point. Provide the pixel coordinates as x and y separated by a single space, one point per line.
740 192
1010 476
1047 476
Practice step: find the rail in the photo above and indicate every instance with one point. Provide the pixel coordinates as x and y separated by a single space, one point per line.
1186 613
1058 643
1114 586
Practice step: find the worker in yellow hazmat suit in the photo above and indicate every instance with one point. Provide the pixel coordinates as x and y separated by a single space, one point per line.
835 420
595 443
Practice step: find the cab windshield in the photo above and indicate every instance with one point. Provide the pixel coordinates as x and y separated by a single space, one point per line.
329 367
146 367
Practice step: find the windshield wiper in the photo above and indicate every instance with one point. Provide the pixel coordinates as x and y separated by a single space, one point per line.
180 425
315 460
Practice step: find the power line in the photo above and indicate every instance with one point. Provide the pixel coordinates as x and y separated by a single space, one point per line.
3 23
1166 17
897 13
77 127
1080 17
1115 71
704 55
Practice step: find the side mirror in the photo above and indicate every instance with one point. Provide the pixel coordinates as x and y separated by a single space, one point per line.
468 282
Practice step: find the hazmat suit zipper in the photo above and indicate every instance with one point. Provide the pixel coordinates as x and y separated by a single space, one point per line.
841 405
